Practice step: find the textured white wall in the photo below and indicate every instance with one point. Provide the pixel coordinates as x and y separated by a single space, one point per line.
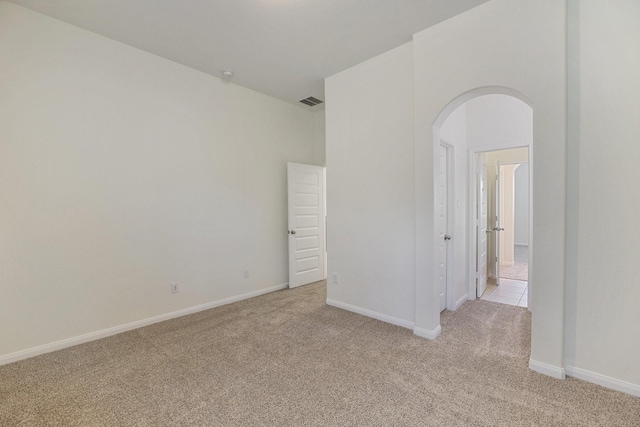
122 172
370 180
602 315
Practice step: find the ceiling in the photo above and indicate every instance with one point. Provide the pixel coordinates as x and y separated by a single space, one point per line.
282 48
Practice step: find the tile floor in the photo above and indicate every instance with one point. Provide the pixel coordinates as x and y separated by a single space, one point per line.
512 292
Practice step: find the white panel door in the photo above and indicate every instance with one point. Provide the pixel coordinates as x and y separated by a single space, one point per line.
442 224
483 233
306 223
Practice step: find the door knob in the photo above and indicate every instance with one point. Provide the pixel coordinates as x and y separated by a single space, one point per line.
292 232
447 237
487 231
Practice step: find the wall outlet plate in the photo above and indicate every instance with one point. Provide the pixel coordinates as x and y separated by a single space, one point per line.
175 288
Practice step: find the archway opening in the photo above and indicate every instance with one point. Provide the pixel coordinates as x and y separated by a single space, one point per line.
480 124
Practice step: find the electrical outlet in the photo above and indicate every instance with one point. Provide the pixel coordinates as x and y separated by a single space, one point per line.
335 278
174 288
245 273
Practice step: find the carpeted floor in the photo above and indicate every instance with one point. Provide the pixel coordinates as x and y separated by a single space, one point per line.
288 359
520 269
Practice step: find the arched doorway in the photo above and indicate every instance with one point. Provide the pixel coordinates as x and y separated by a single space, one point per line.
459 250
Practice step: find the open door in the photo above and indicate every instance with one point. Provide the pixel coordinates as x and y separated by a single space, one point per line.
483 231
306 223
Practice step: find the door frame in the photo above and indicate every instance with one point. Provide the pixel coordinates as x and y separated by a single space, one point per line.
474 155
322 223
477 208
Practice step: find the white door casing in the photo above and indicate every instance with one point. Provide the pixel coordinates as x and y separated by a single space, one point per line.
483 232
499 210
442 224
306 223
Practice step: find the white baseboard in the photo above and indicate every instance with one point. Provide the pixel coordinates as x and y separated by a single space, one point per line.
550 370
426 333
369 313
461 301
92 336
604 381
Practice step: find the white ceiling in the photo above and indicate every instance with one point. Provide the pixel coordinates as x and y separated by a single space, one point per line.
282 48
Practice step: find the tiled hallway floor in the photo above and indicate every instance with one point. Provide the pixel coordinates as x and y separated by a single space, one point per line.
512 292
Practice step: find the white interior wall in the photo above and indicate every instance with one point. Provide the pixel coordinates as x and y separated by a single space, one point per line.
521 231
498 121
603 340
370 187
122 172
147 202
525 51
320 135
369 136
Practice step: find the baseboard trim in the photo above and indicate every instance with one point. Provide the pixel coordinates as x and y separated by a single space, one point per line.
92 336
604 381
546 369
428 334
461 301
370 313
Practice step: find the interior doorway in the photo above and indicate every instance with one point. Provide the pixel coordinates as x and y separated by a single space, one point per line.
506 235
306 188
480 120
514 264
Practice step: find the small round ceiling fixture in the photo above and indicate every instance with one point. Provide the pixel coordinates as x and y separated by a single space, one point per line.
227 74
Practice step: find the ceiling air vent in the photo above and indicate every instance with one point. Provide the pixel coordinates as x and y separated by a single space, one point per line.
311 101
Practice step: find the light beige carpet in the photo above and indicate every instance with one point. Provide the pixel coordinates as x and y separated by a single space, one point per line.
288 359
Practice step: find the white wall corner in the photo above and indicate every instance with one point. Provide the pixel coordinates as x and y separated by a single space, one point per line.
546 369
604 381
93 336
370 313
461 301
426 333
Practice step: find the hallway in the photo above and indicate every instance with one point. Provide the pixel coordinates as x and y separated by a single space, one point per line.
520 269
511 292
